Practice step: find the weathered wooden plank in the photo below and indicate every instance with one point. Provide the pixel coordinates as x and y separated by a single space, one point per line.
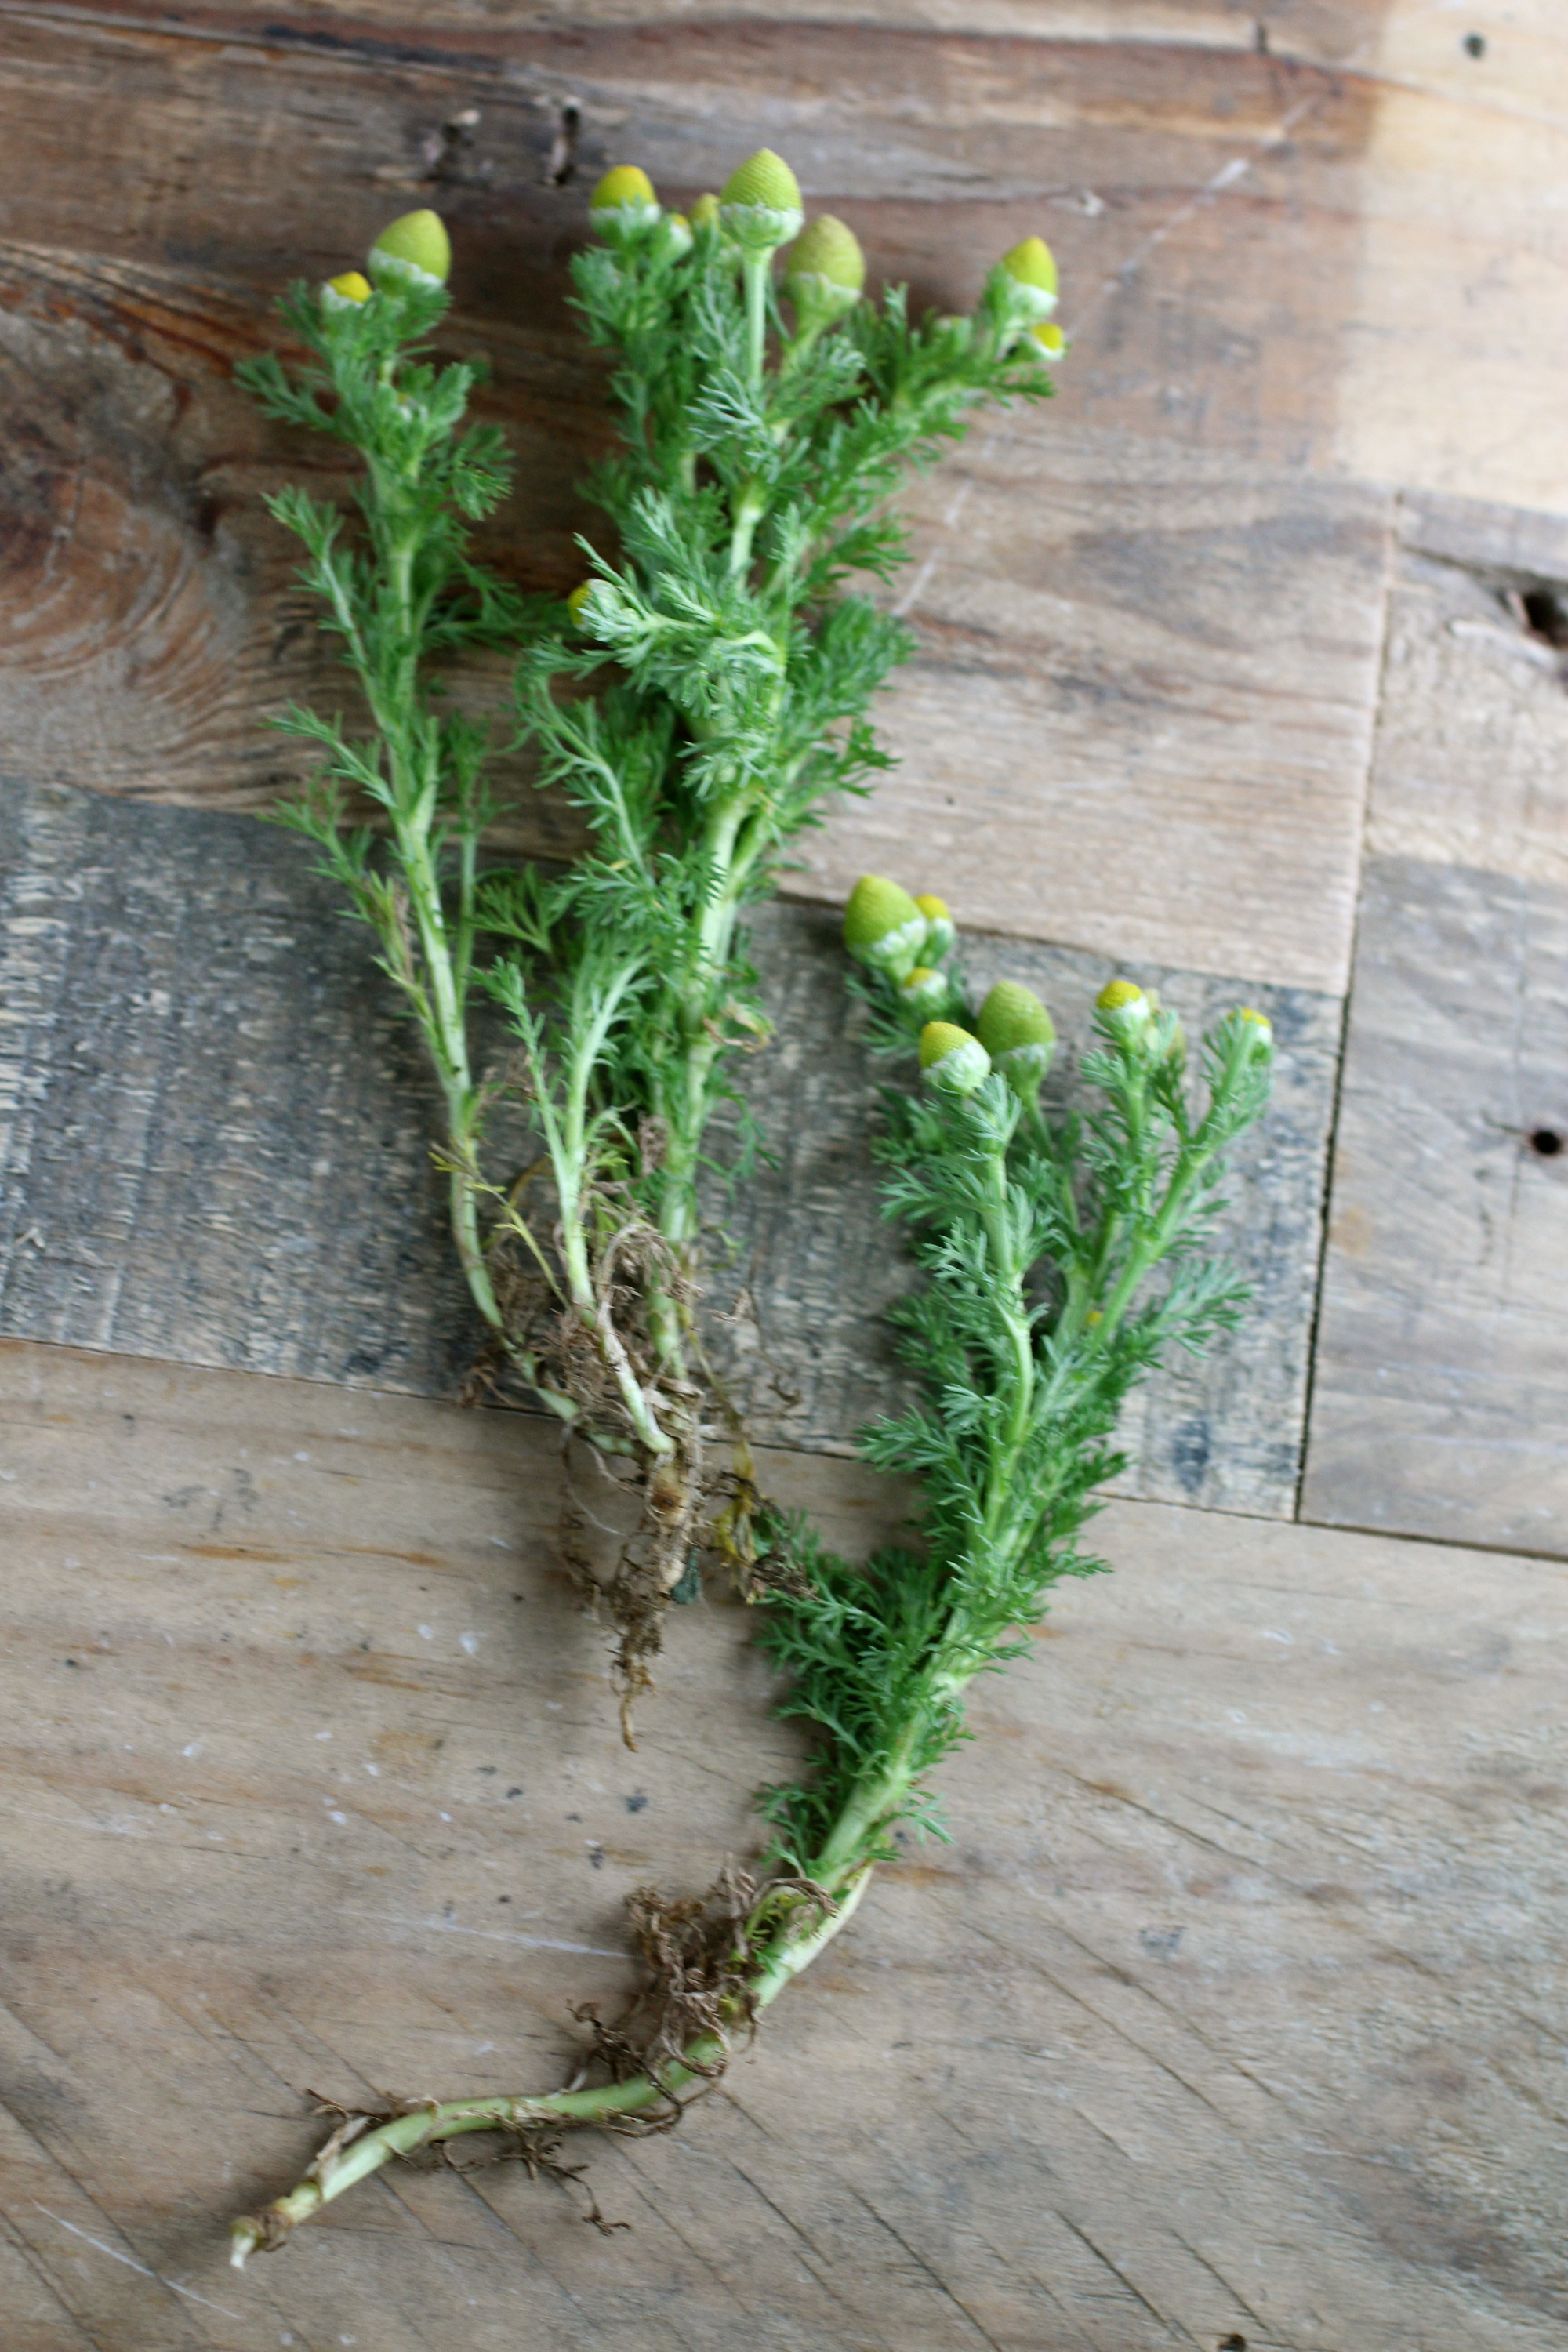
1121 682
218 1134
1514 546
1309 32
1471 761
1453 366
1440 1381
1100 741
1228 2012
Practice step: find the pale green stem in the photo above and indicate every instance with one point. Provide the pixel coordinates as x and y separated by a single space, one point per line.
757 269
789 1952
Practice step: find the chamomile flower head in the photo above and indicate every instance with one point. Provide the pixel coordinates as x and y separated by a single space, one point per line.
825 273
705 211
759 202
942 931
578 603
412 251
1125 1012
623 206
1256 1029
674 236
925 990
1049 339
951 1060
347 291
883 927
1018 1034
1032 267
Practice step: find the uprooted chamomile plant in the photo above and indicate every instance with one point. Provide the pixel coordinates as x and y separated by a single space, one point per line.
1062 1256
697 698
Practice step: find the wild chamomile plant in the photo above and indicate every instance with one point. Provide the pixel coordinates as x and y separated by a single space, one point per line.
697 698
1062 1256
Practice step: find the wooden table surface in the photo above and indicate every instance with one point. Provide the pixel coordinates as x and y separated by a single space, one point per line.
1235 2014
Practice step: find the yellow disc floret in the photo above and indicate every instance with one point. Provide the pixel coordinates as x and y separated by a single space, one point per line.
347 291
951 1060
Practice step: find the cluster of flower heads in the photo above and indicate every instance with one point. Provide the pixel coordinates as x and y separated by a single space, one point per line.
412 250
759 210
907 940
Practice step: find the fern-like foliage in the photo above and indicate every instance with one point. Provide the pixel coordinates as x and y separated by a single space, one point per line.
1062 1258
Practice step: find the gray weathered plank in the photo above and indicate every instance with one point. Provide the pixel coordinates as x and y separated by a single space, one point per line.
1471 760
1233 2010
1440 1388
218 1131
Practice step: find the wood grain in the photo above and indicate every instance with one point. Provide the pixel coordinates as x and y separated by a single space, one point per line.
1311 32
1188 618
1440 1380
1141 714
216 1133
1227 2012
1471 762
1453 365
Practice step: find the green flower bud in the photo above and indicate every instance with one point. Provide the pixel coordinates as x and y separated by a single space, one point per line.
825 272
942 931
1020 1035
594 600
623 206
1032 267
951 1059
925 991
676 238
414 250
346 292
883 927
1257 1029
705 211
760 204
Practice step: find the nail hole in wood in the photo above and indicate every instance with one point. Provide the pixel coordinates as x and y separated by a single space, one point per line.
1232 2344
1542 612
562 161
1546 1142
1546 614
1475 45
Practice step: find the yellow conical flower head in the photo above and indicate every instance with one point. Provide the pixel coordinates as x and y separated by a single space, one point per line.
624 204
760 204
624 184
1050 338
1018 1034
347 291
941 929
1258 1028
705 211
925 990
1032 267
825 270
412 250
951 1059
883 927
1125 1012
578 603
